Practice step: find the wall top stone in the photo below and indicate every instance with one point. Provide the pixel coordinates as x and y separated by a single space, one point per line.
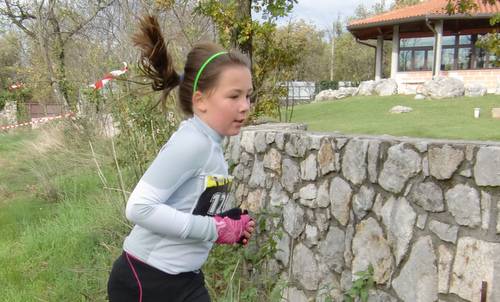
297 128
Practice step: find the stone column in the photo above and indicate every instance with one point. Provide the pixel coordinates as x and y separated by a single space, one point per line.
438 42
395 51
378 57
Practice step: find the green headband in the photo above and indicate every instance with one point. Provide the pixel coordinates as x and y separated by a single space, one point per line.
195 86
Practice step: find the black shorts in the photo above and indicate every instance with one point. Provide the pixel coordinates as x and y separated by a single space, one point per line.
132 280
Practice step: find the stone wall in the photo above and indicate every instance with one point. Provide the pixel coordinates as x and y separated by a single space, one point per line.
8 116
489 78
423 213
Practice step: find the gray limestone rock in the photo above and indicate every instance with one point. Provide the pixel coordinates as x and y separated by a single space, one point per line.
308 168
312 235
380 296
443 87
340 199
444 231
297 145
422 220
258 176
476 261
370 247
475 90
428 195
323 196
486 170
292 294
272 160
366 88
373 154
399 218
331 249
341 142
283 249
305 268
466 173
386 87
290 176
234 147
444 161
260 141
323 220
293 219
308 192
463 203
326 157
418 279
362 202
485 210
401 165
247 141
277 196
256 200
354 161
270 136
279 139
445 262
349 235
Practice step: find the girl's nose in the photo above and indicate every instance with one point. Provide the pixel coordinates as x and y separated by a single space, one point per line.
245 105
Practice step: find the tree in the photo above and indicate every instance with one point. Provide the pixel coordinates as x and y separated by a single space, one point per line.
491 41
233 19
51 25
404 3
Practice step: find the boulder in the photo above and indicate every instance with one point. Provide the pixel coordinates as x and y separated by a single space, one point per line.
443 87
338 94
386 87
366 88
324 95
475 90
400 109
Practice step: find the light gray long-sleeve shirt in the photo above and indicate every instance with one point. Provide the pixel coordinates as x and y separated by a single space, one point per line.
173 203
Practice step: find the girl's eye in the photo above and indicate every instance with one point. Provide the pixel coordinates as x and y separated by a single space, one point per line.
234 96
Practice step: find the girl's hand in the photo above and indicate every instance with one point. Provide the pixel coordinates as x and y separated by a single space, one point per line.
247 234
234 226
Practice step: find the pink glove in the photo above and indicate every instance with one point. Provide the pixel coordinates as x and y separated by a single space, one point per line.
229 230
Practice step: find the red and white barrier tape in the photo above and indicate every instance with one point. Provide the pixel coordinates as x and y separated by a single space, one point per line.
38 121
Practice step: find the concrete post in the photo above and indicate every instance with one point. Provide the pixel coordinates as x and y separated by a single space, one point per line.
395 51
438 42
378 57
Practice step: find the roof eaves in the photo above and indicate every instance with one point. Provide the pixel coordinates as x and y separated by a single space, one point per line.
417 18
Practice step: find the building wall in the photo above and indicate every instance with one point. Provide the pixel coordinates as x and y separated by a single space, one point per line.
424 213
490 78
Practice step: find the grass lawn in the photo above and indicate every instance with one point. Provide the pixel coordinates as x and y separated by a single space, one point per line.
449 119
52 249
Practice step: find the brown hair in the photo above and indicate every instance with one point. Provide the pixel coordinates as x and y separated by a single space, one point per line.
156 63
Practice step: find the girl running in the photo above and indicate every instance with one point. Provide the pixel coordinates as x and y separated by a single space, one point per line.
177 207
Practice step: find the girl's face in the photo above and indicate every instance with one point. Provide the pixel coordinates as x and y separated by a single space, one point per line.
225 107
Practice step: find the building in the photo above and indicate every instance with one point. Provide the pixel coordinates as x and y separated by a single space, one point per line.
420 31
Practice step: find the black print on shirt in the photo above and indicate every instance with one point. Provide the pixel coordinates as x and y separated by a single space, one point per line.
213 200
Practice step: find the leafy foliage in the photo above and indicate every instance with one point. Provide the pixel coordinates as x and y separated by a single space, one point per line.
361 286
491 41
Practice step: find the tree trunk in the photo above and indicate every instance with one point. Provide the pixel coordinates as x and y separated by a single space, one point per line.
45 50
244 16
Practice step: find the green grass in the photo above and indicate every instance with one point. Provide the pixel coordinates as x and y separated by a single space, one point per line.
54 247
448 119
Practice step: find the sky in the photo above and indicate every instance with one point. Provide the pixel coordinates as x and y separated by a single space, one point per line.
323 13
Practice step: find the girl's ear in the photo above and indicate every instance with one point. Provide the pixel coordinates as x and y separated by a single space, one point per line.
199 102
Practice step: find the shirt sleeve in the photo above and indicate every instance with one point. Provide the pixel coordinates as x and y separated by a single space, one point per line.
148 205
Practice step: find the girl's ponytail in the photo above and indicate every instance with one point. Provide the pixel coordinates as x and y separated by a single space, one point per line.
155 61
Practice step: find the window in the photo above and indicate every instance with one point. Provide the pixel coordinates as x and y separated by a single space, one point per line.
458 52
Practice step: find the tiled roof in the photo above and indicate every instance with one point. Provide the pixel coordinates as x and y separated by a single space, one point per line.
427 8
